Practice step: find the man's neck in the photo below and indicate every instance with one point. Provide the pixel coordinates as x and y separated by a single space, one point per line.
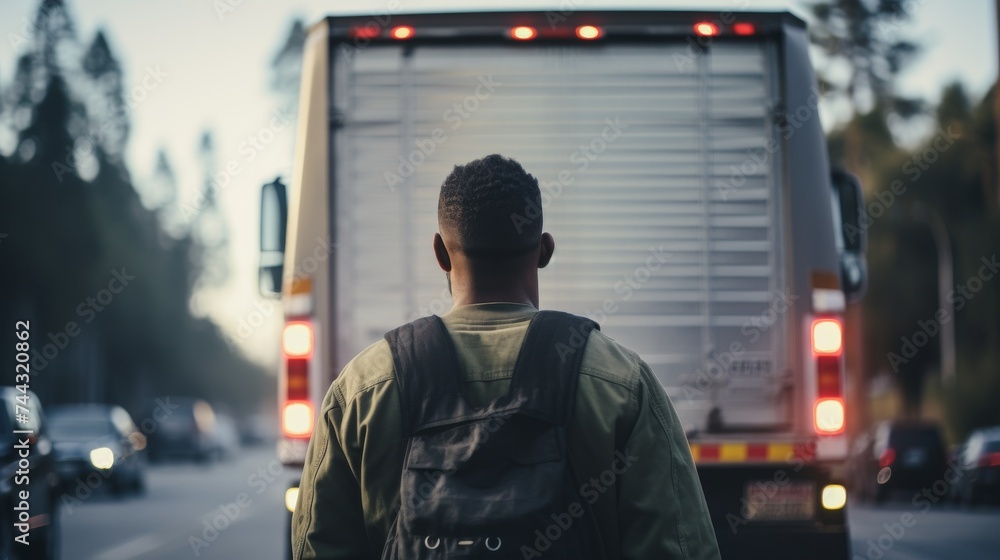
471 298
469 291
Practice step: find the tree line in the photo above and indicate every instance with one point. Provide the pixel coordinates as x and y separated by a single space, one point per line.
923 201
104 279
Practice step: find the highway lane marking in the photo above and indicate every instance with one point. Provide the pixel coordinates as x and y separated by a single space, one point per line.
131 549
151 542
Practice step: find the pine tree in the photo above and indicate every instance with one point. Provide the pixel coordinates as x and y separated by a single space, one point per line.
863 34
109 119
51 49
286 68
71 218
209 226
162 196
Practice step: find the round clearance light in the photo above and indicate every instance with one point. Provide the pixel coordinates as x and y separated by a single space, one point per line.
523 33
588 32
706 29
402 32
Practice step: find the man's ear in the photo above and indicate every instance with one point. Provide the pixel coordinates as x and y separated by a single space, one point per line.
547 246
441 252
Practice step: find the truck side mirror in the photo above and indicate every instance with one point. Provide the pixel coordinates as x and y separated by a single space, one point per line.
273 229
854 234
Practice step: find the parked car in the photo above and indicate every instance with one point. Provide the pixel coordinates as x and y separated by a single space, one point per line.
98 438
979 467
185 429
23 411
226 436
897 455
258 429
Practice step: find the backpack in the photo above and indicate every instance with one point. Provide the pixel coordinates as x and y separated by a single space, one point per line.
492 482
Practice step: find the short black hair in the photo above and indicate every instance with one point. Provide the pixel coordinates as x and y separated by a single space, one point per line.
492 207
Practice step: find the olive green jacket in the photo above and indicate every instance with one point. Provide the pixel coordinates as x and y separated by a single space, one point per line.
625 443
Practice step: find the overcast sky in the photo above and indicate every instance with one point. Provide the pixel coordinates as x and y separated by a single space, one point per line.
216 77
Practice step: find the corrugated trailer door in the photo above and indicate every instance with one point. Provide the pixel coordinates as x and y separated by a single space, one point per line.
657 183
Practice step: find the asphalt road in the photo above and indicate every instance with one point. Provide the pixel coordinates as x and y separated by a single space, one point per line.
902 531
245 495
182 512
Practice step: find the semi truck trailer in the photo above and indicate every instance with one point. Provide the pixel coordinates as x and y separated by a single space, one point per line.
685 178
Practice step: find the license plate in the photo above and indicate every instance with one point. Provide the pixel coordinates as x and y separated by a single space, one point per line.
767 501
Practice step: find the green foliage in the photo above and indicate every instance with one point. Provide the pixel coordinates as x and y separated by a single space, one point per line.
951 175
862 34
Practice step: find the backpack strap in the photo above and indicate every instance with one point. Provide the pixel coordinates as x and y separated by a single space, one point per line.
547 369
427 373
543 383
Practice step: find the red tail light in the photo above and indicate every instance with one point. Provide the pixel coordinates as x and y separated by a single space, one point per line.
828 377
744 28
297 380
297 344
829 417
297 419
887 458
297 339
367 32
827 337
826 340
990 460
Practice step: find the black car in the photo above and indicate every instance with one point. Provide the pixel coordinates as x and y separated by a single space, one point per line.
95 443
180 427
979 467
897 455
22 412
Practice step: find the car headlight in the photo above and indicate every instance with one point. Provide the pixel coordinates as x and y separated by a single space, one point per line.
102 458
291 498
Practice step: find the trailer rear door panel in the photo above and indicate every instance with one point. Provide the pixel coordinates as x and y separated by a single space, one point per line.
658 188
